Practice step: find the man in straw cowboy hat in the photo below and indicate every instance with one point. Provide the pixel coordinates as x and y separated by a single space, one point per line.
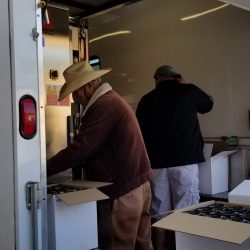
110 144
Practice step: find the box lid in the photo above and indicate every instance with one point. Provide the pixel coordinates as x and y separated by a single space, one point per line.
243 189
86 184
225 153
88 192
82 196
225 230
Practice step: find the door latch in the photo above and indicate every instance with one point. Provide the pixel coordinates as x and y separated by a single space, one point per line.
35 34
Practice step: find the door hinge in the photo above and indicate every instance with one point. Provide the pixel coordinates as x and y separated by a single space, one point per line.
33 199
33 203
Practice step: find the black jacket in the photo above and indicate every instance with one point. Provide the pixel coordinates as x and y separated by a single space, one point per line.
168 119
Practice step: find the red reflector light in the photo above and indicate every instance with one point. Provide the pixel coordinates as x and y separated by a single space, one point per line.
28 118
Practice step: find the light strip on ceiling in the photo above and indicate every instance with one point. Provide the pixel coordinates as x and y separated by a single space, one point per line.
204 13
122 32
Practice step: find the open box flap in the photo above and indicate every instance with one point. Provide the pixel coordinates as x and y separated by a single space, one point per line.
241 193
82 196
243 189
229 231
207 150
216 149
225 230
86 184
226 153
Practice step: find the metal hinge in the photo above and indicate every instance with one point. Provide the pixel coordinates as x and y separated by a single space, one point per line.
33 203
33 199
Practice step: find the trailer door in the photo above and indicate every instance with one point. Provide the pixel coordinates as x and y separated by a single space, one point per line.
7 230
22 165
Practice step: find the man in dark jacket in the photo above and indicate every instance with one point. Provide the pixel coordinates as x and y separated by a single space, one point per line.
168 119
112 148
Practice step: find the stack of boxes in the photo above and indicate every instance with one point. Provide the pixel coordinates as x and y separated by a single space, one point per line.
72 215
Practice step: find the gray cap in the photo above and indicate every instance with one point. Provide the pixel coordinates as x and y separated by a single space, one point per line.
167 71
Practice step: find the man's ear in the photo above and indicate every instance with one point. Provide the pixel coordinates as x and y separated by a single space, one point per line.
80 90
90 84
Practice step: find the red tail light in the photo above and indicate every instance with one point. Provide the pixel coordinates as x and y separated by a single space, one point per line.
28 117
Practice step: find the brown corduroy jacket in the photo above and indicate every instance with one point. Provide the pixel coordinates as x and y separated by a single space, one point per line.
110 146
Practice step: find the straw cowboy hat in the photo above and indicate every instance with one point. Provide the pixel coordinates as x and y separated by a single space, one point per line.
78 75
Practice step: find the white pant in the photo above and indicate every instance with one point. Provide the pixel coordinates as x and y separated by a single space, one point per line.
174 188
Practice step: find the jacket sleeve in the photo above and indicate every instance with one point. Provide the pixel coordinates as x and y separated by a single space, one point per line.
203 101
141 113
96 127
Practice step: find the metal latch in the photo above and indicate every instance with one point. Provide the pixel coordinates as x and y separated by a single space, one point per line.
35 34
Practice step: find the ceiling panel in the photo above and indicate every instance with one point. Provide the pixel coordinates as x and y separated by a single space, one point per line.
86 8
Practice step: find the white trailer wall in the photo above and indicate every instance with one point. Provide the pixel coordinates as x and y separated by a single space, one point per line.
211 51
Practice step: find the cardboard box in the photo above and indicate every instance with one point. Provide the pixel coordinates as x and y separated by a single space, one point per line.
72 216
239 167
241 194
214 172
191 242
195 232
